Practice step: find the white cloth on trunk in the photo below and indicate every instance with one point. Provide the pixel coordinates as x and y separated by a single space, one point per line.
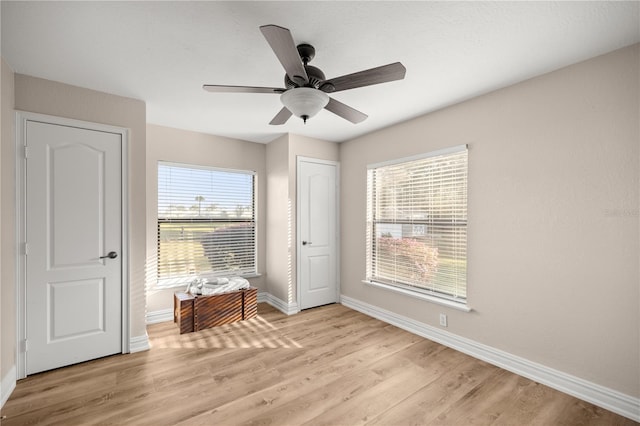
217 285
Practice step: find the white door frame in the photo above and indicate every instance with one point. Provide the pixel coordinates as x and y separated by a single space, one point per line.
300 159
22 118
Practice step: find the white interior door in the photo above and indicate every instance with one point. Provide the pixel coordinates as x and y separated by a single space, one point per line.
317 218
73 220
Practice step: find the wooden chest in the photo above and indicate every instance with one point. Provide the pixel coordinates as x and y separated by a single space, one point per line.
194 313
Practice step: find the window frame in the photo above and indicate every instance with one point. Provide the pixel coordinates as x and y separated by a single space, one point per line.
371 278
177 281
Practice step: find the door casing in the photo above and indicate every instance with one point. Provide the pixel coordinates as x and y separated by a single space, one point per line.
22 118
300 159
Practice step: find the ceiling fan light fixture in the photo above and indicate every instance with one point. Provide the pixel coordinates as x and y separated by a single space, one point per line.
304 102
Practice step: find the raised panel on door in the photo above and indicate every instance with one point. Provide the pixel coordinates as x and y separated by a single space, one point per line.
63 312
75 236
319 218
319 272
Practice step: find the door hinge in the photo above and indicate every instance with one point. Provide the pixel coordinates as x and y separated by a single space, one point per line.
26 151
25 345
26 249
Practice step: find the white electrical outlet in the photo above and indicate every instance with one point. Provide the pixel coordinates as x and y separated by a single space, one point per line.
443 320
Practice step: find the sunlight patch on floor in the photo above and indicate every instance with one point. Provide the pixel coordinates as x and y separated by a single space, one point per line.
254 333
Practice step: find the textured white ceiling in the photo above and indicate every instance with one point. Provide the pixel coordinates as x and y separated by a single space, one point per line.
162 53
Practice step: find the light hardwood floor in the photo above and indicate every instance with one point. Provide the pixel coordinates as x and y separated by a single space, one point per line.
325 366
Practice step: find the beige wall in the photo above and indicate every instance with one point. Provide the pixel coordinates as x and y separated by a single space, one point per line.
181 146
553 234
58 99
278 223
7 225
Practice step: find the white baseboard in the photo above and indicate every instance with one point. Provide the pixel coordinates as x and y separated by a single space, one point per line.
282 306
162 315
601 396
7 385
139 343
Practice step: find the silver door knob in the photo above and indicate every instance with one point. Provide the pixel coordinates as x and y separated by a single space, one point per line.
111 255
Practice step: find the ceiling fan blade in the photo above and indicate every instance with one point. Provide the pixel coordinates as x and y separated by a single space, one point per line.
241 89
281 117
345 111
282 44
383 74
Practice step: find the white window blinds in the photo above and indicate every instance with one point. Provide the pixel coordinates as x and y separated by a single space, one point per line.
417 224
206 222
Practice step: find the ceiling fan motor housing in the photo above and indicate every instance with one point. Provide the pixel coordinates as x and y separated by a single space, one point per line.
316 78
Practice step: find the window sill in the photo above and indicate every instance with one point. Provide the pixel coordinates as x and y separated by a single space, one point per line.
433 299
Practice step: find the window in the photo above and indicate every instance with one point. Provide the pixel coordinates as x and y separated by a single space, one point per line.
206 222
417 224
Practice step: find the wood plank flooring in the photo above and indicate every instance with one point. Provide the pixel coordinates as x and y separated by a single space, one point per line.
325 366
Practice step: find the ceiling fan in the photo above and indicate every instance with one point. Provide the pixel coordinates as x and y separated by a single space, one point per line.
306 88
